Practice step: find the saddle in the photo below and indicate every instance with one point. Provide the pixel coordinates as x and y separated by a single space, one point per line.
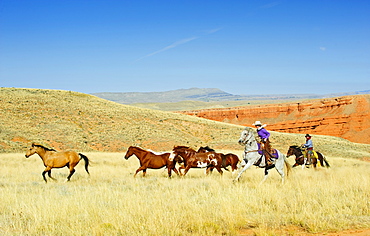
314 154
272 155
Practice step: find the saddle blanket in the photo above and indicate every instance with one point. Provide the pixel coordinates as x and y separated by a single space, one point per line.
274 152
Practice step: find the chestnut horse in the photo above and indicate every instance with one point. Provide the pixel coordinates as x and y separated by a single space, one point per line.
150 160
300 159
54 159
194 159
229 159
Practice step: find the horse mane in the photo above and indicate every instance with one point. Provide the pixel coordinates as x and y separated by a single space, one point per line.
183 147
41 146
207 149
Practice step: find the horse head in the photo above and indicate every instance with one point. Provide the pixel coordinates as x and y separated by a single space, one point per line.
35 148
246 136
130 152
294 150
32 150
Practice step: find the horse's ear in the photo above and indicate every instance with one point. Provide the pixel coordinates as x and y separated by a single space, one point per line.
33 144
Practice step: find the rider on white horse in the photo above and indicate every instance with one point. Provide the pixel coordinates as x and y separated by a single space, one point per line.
251 156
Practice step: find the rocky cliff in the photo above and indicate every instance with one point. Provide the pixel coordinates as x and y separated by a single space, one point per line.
347 117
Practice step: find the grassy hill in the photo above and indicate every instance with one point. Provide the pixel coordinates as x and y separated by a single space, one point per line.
71 120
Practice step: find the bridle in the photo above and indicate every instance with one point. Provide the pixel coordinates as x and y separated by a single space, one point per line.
247 139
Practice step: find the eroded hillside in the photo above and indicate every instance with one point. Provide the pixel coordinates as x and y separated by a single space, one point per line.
346 117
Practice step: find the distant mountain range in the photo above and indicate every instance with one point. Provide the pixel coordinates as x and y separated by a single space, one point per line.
204 95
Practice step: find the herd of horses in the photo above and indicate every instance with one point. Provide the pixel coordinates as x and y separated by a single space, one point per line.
186 157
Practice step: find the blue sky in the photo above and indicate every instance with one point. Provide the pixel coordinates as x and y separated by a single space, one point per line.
241 47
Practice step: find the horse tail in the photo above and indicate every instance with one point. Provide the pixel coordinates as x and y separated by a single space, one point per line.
287 165
86 161
326 162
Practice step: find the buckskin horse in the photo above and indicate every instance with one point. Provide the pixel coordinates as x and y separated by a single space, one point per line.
194 159
151 160
229 159
300 159
252 157
53 159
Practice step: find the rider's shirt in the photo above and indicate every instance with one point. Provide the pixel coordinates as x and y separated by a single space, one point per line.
308 144
263 133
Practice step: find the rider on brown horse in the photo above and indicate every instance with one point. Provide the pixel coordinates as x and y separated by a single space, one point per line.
265 142
309 149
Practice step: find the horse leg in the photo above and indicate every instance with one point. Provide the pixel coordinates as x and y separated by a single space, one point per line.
247 165
175 170
169 169
186 170
49 174
181 167
281 173
141 168
267 169
43 175
47 169
314 162
71 172
218 168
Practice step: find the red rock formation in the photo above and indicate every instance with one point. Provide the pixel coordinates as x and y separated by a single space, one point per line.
347 117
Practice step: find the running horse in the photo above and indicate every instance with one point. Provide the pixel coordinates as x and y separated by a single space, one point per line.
151 160
301 160
194 159
53 159
253 157
229 159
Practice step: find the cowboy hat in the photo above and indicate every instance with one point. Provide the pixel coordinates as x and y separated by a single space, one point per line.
257 123
307 135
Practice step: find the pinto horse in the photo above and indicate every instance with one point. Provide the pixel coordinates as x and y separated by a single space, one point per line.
252 157
300 159
151 160
194 159
229 159
54 159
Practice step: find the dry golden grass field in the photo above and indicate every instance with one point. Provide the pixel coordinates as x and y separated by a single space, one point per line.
111 202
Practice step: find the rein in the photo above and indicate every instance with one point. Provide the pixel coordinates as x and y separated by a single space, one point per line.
251 151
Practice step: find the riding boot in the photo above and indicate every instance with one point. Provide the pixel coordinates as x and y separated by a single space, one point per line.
267 158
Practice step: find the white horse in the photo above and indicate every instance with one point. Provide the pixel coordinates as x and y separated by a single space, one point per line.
251 157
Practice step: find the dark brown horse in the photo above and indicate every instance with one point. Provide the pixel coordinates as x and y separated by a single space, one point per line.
229 159
54 159
299 157
194 159
151 160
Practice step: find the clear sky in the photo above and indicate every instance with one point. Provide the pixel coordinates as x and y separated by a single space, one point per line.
239 46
